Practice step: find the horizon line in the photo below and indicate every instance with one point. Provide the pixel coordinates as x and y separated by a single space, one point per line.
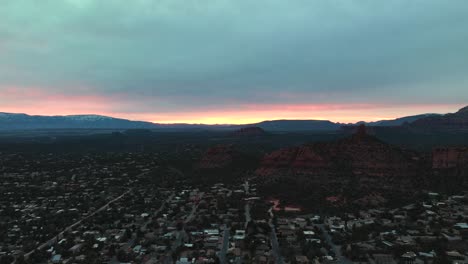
220 124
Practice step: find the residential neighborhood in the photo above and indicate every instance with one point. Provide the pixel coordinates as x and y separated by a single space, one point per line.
90 212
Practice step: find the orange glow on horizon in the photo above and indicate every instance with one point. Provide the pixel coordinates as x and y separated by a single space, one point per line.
345 113
228 116
36 102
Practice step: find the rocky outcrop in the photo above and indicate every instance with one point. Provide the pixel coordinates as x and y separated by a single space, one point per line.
450 169
450 157
293 160
372 200
351 169
372 162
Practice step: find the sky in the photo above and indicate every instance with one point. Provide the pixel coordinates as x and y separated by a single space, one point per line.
237 61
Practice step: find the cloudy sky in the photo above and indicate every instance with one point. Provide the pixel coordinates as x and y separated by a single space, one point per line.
237 61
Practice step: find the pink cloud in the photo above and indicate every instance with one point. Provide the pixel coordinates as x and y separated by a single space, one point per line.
37 101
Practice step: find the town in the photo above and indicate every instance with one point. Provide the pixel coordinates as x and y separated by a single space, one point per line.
233 132
110 208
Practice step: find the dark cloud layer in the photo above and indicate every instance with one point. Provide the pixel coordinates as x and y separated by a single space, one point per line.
187 54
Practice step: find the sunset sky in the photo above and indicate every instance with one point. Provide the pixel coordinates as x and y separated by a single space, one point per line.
237 61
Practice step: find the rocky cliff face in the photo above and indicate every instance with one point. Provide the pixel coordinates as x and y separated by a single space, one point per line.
302 160
450 168
450 157
455 121
373 162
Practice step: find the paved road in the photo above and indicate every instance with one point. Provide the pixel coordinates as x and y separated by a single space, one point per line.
222 253
248 218
274 240
275 245
336 248
188 218
52 241
194 210
163 205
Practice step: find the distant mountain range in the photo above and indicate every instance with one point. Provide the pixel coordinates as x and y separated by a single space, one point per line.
398 121
297 125
454 121
11 121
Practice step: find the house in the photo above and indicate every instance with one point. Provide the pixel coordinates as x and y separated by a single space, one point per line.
461 226
76 248
183 261
457 257
383 259
302 259
239 235
408 257
300 222
56 259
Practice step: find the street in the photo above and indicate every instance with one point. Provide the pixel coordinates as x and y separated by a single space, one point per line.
222 253
336 248
52 241
275 245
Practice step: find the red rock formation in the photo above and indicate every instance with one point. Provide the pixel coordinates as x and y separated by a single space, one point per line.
450 168
450 157
306 159
296 160
361 155
373 200
276 161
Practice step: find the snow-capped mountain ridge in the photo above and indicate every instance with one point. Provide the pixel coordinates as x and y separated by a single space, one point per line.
76 117
16 121
89 117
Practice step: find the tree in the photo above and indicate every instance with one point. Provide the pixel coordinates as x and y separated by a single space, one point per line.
92 257
122 256
7 259
111 250
20 260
